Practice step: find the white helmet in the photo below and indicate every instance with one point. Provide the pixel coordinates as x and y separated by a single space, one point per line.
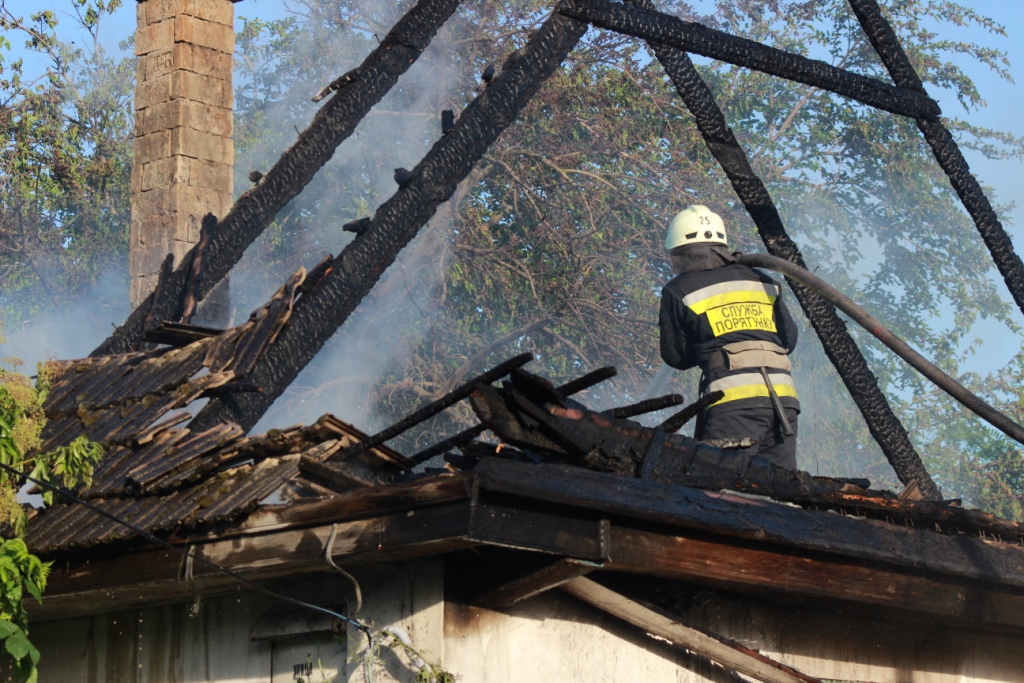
693 225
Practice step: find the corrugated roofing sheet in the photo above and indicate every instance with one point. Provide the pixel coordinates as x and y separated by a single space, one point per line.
222 496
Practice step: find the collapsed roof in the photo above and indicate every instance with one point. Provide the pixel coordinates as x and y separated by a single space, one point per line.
199 488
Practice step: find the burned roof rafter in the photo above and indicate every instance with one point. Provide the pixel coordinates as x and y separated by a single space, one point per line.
363 261
644 22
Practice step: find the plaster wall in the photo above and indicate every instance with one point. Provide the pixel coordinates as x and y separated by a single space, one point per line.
556 638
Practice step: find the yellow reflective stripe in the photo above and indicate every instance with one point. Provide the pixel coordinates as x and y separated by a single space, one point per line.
749 385
733 292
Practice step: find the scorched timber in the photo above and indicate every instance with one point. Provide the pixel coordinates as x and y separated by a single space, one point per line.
946 151
321 312
661 28
254 210
724 515
836 340
550 432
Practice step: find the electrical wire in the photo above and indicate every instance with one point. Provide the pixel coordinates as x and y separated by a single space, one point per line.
209 563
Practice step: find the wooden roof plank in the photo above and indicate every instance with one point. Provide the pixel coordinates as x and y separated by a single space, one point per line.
810 578
153 577
544 579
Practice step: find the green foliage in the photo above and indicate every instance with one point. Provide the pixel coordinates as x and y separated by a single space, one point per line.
21 423
20 572
426 672
71 464
65 160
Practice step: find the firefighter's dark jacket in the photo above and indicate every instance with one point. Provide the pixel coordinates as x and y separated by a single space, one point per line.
715 302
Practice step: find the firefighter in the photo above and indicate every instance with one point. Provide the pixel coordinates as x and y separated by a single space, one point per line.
729 320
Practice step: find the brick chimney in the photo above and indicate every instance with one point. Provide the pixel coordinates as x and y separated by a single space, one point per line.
183 152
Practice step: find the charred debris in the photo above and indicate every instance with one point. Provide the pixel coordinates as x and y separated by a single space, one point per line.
165 475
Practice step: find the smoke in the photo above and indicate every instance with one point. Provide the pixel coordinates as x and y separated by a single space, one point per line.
72 331
396 134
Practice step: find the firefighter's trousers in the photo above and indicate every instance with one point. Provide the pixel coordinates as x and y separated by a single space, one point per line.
758 423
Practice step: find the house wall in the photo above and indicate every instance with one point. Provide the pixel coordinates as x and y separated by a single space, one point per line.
551 638
167 645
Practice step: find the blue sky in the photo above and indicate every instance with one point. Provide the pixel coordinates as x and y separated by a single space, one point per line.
1005 106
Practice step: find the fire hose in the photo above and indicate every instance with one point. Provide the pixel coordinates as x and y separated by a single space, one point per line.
969 400
886 336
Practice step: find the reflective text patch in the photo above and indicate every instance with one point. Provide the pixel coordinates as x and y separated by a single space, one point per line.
743 316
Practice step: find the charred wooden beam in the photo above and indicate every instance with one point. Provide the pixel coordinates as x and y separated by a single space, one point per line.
913 550
645 23
331 126
728 653
823 493
676 422
320 312
701 553
524 527
435 407
652 454
947 153
586 381
159 294
460 439
835 338
644 407
818 581
195 274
